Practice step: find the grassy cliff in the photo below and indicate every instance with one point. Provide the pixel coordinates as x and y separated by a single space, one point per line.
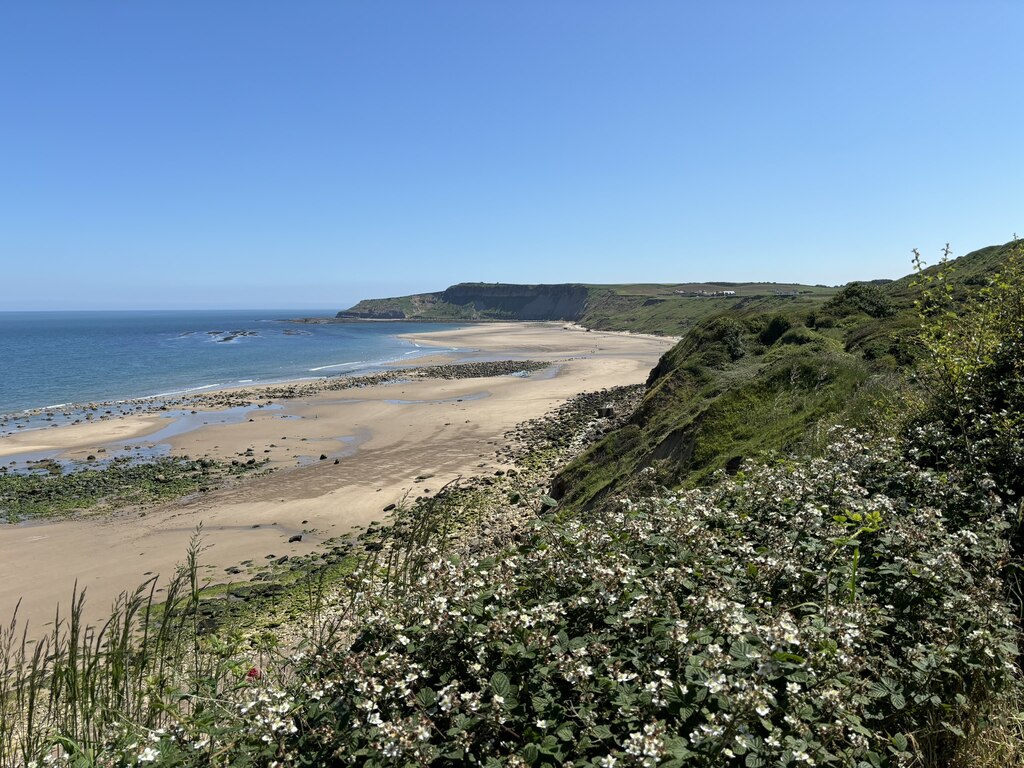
758 378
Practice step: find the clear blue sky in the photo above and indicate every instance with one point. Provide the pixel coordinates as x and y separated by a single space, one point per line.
274 154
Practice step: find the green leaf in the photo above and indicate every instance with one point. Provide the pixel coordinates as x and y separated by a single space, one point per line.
500 684
577 643
531 752
549 746
676 747
899 741
898 701
426 697
601 732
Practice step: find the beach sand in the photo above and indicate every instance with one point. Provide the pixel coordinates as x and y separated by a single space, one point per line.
378 440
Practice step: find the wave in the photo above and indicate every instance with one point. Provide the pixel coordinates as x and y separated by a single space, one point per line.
341 365
184 391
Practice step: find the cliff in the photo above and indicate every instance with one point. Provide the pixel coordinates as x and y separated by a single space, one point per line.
480 301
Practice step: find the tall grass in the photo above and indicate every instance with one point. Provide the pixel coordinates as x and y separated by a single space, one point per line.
79 691
80 688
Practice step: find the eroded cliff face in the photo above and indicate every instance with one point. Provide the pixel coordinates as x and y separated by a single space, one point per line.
480 301
520 302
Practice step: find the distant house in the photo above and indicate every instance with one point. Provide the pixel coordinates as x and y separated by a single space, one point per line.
702 294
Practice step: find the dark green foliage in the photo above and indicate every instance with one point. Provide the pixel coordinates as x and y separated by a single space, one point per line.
867 298
776 326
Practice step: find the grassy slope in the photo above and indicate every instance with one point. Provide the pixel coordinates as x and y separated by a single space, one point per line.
736 386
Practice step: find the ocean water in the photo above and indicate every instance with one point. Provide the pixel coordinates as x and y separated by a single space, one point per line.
55 358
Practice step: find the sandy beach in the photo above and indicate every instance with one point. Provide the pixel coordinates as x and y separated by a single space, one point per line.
377 441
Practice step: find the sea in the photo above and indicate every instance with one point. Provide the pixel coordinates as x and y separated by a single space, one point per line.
53 359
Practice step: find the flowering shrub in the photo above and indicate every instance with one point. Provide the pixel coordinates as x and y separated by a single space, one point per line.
821 613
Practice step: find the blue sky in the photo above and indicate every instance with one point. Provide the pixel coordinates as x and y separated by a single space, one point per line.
251 154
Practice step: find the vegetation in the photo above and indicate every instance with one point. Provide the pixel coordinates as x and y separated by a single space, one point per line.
752 381
741 582
121 483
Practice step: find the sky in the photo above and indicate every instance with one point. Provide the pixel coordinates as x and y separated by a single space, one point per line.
269 154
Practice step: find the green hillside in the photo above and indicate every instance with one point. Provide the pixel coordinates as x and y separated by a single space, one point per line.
758 377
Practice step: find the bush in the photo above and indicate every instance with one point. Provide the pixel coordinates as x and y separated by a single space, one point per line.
777 326
974 413
834 612
860 297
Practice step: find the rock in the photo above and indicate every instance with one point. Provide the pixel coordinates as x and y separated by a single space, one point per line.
389 507
294 538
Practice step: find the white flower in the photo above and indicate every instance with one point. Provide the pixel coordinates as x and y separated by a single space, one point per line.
148 755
